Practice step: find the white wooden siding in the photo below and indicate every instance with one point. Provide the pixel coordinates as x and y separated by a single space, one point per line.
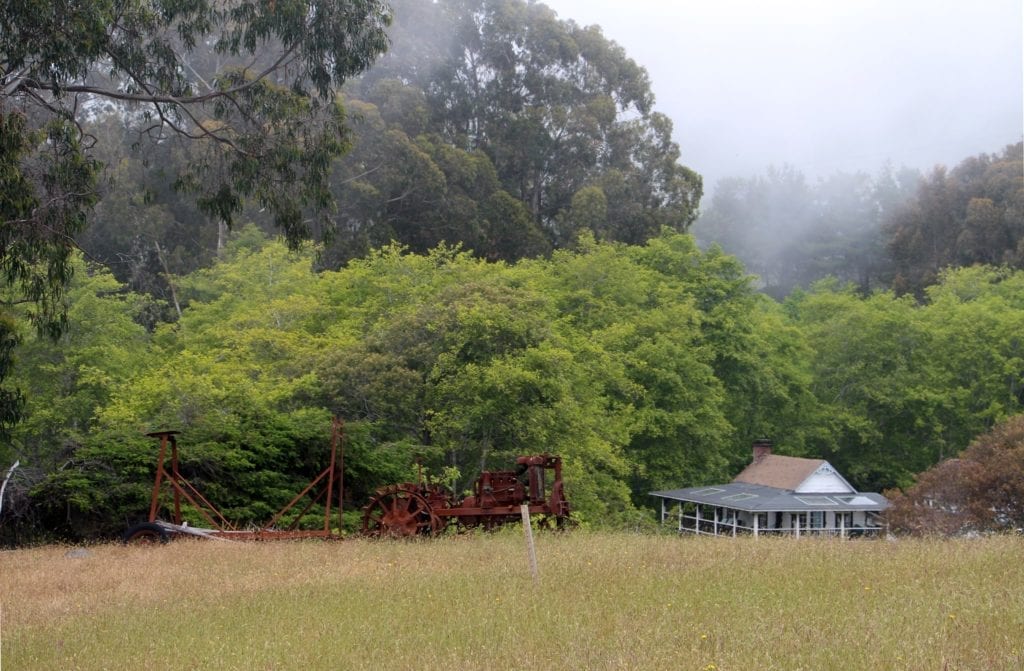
825 480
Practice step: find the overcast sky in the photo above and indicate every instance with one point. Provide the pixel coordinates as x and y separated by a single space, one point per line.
824 85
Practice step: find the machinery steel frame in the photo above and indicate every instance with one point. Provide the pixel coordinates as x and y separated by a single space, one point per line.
320 489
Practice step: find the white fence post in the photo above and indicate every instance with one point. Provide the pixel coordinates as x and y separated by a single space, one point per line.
524 510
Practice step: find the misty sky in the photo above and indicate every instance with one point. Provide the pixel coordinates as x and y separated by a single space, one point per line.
824 85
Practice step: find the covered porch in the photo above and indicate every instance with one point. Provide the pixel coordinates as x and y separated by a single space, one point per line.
697 518
742 508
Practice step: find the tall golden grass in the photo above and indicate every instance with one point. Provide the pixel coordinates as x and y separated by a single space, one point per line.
604 601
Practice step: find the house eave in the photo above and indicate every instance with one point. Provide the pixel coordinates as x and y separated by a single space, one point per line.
759 498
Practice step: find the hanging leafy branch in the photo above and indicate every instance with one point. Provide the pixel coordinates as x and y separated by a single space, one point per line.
248 86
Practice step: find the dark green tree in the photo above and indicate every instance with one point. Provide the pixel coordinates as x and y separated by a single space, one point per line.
421 191
264 124
47 185
971 214
267 117
558 109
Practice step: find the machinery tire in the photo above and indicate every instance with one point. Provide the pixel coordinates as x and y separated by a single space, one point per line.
145 533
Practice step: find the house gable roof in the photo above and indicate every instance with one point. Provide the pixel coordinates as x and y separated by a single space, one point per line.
778 471
794 474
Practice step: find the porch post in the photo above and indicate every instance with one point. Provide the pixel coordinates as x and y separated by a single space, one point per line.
663 511
755 525
696 525
735 516
842 525
795 519
715 527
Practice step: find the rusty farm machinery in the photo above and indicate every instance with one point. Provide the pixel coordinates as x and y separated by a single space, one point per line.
320 490
402 510
417 508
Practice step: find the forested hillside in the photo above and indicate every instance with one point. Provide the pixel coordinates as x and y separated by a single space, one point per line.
897 229
492 124
644 366
791 231
228 223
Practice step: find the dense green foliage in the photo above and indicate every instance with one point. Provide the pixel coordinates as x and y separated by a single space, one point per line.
907 384
253 84
564 116
973 213
643 366
504 268
262 121
490 124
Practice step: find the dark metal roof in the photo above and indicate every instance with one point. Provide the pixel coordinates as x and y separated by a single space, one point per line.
759 498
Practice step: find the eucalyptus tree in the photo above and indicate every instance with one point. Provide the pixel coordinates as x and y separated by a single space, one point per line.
973 213
420 190
558 108
264 120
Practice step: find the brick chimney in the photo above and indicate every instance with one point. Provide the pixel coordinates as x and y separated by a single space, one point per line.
762 448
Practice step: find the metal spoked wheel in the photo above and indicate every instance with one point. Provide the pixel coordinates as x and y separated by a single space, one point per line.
145 533
399 511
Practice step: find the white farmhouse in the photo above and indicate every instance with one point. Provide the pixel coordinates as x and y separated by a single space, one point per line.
775 495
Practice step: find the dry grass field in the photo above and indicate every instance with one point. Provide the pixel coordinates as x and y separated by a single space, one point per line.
604 601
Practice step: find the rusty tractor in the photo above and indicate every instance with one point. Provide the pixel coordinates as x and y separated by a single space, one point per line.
415 509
